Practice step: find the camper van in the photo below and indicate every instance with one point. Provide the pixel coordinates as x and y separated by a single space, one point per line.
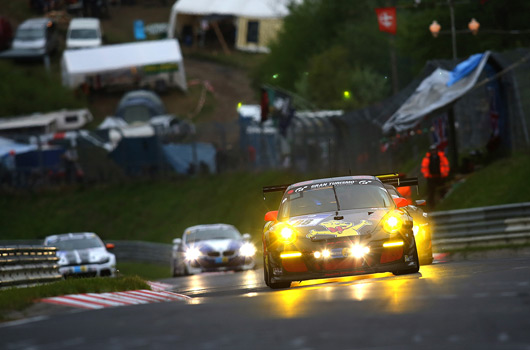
154 65
83 33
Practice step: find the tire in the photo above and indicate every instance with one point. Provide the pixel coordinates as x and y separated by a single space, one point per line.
266 275
413 269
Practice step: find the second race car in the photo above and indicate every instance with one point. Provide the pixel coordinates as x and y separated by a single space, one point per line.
337 227
213 247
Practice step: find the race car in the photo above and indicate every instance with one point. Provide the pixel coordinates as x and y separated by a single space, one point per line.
213 247
83 254
421 227
334 227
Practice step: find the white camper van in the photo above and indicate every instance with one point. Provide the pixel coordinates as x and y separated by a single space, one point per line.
84 33
155 65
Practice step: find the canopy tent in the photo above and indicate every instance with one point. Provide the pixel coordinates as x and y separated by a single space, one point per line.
438 90
268 13
78 64
238 8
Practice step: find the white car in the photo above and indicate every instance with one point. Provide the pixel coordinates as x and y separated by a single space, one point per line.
34 38
215 247
84 33
83 254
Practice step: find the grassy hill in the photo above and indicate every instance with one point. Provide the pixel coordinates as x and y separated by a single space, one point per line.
160 211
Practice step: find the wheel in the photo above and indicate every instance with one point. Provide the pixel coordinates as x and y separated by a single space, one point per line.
266 275
412 269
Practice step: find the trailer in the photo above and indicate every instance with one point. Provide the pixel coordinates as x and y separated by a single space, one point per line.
155 65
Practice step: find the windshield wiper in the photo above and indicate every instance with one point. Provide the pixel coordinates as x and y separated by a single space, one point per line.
337 217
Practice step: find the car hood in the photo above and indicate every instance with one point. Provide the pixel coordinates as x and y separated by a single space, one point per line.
83 256
218 245
29 44
82 43
325 225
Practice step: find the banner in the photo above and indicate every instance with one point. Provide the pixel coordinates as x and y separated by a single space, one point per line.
386 17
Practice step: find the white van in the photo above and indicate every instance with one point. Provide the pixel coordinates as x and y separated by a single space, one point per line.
84 33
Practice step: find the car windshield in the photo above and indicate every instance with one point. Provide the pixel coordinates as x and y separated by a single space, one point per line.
206 234
84 34
30 34
76 243
324 199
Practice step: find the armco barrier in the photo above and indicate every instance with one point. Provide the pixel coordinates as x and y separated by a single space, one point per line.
494 225
28 265
156 253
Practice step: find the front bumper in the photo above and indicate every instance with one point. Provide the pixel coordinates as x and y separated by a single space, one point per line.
305 267
89 270
206 264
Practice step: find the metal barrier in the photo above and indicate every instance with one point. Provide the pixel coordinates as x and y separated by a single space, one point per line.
485 226
28 265
139 251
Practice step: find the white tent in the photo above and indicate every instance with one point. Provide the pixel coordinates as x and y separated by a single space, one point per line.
259 9
78 64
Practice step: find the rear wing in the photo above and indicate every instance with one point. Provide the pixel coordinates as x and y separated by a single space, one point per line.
398 180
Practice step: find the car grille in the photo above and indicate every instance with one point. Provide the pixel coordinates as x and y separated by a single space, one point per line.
228 252
214 254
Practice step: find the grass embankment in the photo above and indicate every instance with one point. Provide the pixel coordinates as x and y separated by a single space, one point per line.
147 211
16 299
502 182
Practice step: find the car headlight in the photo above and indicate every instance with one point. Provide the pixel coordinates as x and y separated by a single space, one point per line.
192 254
286 234
247 250
392 223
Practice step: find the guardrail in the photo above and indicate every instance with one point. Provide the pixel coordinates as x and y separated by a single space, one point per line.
28 265
485 226
157 253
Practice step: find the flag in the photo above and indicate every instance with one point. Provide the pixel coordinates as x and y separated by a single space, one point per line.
386 17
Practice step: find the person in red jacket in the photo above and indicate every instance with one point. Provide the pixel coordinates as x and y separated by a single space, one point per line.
435 168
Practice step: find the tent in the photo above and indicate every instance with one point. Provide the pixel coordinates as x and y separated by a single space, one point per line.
144 64
438 90
258 21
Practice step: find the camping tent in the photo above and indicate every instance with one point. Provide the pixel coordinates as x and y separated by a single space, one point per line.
261 17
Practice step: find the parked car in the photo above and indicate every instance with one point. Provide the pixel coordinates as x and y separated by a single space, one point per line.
83 254
214 247
34 39
84 33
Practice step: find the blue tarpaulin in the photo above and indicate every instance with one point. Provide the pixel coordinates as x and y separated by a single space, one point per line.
463 69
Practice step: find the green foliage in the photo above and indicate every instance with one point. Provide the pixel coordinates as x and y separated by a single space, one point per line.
19 298
27 89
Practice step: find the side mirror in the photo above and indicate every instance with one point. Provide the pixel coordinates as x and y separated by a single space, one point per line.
110 246
271 215
177 241
246 236
400 202
420 202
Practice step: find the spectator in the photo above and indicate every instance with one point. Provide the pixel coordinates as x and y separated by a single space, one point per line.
435 168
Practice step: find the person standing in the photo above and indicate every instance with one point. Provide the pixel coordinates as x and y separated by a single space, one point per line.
435 169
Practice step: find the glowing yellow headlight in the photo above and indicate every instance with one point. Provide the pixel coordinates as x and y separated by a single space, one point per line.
287 255
392 223
287 235
393 244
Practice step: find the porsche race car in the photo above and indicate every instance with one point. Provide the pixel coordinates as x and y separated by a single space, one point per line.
337 227
213 247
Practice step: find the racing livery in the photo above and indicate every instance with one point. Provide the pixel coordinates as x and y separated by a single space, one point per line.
337 227
83 254
421 229
214 247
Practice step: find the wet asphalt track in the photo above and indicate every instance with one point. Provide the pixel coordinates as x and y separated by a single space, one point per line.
482 304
